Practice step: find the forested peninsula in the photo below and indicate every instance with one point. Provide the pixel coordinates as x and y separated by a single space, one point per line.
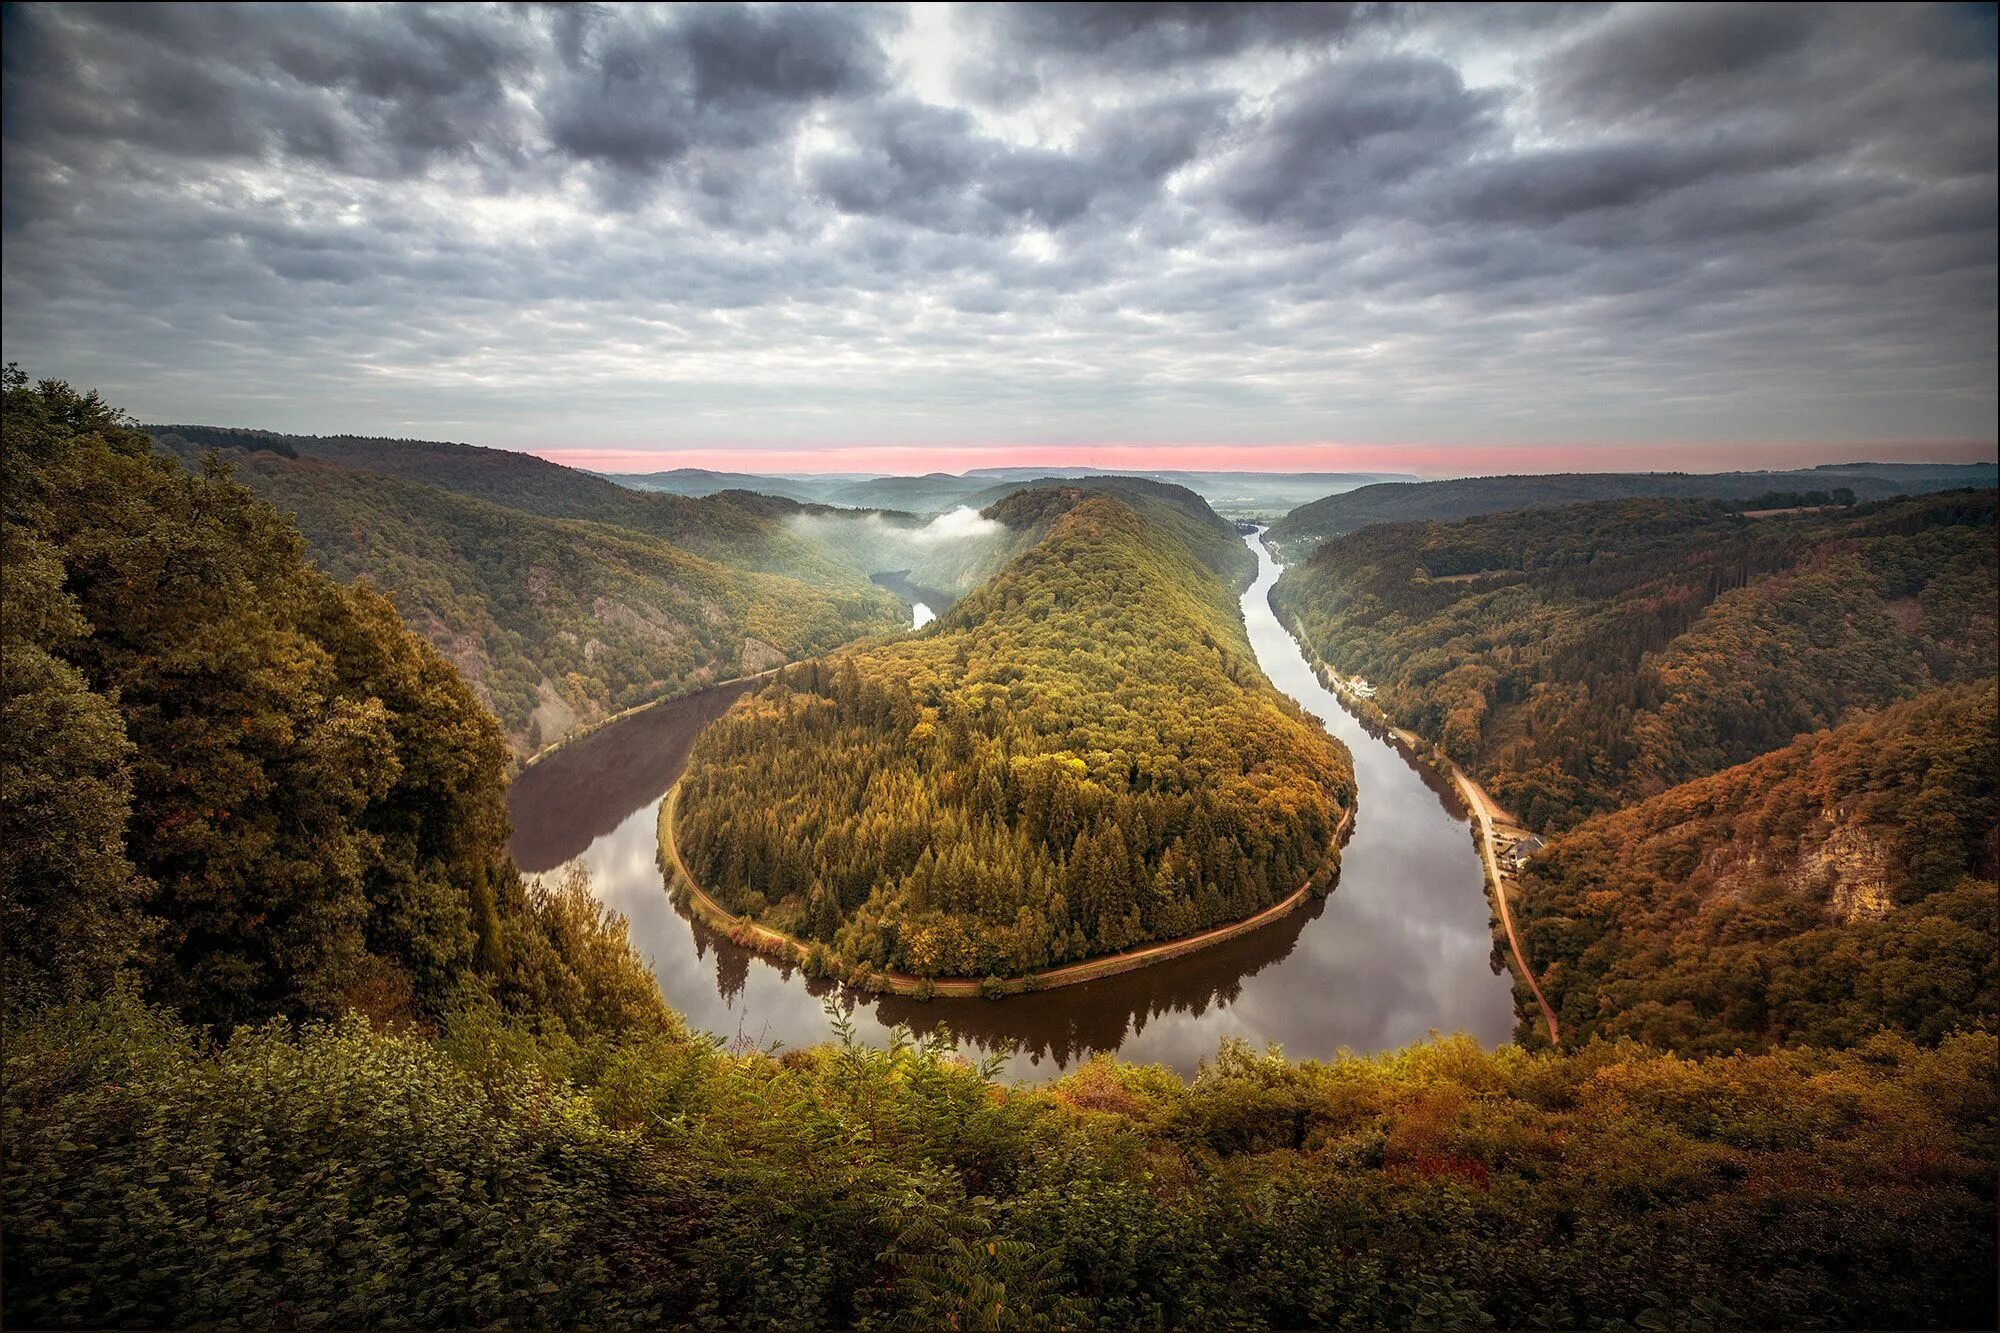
1081 757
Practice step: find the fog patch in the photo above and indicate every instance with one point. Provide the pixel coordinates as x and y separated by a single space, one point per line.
961 524
950 551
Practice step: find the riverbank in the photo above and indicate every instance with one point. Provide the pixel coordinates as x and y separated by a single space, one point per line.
621 715
1483 812
742 931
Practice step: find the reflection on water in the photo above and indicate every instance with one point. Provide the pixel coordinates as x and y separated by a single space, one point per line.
1403 947
925 603
587 790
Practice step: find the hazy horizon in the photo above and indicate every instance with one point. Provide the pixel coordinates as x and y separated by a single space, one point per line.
1429 464
1425 463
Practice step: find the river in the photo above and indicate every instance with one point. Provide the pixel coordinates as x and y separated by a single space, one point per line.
1402 948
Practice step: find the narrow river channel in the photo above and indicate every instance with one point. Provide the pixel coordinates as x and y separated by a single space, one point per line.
1400 949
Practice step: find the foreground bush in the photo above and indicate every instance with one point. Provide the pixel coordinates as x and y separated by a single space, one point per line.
334 1175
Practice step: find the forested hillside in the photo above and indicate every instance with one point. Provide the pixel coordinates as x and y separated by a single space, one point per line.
1468 497
556 623
289 1043
238 780
1083 756
711 526
1172 508
1841 885
1582 658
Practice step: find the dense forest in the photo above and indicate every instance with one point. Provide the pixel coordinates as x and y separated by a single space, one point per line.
555 623
1582 658
239 781
1841 885
1468 497
1082 757
290 1043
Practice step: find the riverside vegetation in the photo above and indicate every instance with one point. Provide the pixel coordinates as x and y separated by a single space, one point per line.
1765 750
289 1042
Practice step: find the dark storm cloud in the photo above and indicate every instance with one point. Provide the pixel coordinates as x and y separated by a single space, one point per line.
1116 221
1346 139
1550 186
1644 58
635 94
935 167
1153 36
380 92
1040 46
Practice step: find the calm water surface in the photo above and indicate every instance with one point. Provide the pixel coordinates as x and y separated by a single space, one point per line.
1401 948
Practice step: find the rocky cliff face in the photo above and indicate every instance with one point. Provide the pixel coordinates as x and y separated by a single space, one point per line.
1851 866
1844 865
759 656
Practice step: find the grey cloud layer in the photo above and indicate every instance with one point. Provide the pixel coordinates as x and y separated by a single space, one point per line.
781 224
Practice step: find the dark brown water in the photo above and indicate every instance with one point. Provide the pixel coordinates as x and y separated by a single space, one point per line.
1402 948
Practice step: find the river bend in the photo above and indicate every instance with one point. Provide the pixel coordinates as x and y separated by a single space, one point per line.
1402 948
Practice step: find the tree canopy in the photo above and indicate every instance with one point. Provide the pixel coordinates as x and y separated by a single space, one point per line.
225 769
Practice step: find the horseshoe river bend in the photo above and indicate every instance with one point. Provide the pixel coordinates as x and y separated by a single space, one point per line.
1401 948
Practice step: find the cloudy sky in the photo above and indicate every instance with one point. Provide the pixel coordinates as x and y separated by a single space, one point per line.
843 238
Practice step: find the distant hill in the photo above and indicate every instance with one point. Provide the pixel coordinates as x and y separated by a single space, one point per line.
1235 494
710 527
1179 510
1468 497
1836 887
962 547
557 622
1588 656
697 481
928 494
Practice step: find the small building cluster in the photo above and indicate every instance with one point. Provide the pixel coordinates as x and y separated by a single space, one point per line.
1515 855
